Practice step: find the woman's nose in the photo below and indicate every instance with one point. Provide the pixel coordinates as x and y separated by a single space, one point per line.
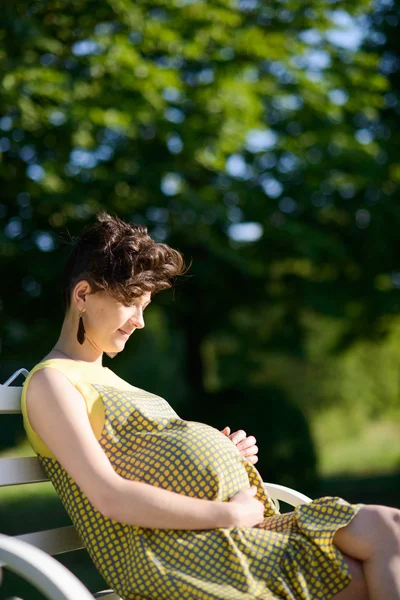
138 321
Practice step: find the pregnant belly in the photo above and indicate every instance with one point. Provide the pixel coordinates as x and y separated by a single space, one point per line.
189 458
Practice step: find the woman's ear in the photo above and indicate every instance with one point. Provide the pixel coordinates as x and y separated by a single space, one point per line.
81 290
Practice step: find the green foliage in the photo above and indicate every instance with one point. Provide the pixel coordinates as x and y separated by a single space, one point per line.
196 118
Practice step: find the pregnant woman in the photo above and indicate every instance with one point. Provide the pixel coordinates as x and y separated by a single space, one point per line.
167 508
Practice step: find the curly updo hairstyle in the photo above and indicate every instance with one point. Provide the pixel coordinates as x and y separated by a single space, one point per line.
121 259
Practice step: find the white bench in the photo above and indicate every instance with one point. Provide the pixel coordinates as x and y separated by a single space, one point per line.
31 555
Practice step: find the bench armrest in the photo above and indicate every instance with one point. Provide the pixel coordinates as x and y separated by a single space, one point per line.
43 571
286 494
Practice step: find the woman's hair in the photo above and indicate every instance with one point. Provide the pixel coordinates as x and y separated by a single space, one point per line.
121 259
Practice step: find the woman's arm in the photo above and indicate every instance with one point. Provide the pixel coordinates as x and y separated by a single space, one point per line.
142 504
145 505
58 414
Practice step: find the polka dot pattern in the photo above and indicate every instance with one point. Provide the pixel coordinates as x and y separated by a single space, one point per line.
289 556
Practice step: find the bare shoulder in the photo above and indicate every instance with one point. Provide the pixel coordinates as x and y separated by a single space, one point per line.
52 398
58 414
44 373
48 381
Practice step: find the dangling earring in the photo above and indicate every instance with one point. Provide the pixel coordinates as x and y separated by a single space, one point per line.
82 333
81 330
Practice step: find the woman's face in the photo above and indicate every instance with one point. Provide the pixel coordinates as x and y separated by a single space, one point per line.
109 323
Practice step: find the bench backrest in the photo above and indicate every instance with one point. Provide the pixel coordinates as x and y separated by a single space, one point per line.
25 470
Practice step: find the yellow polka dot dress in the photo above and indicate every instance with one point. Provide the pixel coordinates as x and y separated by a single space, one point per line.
290 556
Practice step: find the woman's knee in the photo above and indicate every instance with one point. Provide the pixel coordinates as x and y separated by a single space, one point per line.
373 529
380 515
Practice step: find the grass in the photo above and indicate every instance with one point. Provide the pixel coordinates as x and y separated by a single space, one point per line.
371 449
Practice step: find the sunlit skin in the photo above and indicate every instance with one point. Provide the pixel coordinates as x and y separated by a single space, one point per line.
246 444
103 316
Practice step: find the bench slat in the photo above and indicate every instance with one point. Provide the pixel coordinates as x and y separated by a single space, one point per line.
14 471
10 399
54 541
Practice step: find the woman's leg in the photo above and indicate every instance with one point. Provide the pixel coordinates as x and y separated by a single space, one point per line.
373 537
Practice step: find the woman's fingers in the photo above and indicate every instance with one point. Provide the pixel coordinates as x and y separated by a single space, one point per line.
250 453
246 445
238 436
248 442
250 450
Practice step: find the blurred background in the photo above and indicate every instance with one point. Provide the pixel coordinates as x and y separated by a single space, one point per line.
261 140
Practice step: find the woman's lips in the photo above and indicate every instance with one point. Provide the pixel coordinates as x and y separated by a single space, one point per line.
123 333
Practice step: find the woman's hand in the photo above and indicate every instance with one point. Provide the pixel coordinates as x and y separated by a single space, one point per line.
246 445
247 510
